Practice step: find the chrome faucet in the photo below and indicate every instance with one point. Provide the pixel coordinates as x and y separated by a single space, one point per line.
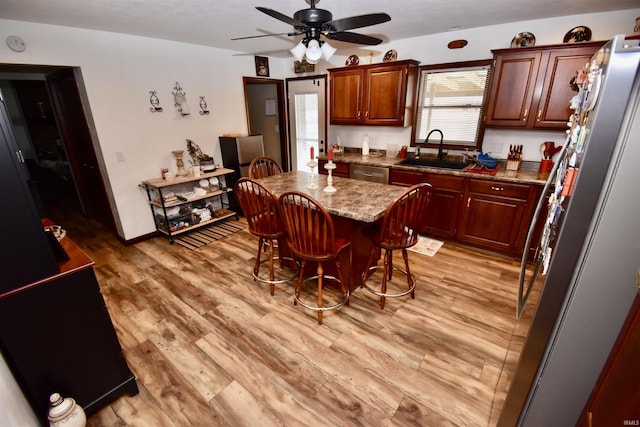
441 154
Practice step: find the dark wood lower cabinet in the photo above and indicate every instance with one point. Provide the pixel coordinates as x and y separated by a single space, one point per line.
496 215
490 214
57 336
615 400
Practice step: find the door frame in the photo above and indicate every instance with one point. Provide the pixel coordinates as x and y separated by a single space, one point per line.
282 115
50 71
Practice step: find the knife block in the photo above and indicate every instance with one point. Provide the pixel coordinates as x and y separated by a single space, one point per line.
513 165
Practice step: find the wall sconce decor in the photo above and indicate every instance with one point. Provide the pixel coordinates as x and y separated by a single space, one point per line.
180 100
203 106
262 66
155 102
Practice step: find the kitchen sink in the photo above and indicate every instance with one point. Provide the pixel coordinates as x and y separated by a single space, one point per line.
434 163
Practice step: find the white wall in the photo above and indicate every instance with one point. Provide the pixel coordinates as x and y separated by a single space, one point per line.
14 408
120 70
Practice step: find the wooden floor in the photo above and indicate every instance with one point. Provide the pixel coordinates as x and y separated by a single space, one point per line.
210 346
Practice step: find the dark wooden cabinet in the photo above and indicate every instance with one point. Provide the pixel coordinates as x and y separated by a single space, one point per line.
442 218
27 255
496 215
490 214
341 170
375 94
530 87
614 400
57 336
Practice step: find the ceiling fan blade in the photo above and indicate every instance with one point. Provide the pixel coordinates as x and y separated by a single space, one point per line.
267 35
355 22
344 36
284 18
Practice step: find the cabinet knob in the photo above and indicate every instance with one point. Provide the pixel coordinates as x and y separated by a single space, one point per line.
526 113
539 115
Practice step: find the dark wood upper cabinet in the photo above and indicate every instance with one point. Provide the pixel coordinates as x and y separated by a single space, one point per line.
374 94
530 87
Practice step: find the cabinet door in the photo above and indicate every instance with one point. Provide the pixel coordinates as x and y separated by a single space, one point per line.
553 108
615 398
493 215
512 89
27 255
346 97
385 95
442 217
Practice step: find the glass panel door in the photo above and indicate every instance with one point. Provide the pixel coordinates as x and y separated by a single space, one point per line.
307 118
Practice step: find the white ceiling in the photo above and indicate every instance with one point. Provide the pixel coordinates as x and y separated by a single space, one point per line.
215 22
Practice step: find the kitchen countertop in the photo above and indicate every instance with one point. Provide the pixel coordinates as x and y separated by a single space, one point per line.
528 173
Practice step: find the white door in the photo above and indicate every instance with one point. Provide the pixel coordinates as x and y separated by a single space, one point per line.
307 119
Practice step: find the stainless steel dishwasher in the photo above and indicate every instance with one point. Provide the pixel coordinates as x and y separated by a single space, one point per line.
369 173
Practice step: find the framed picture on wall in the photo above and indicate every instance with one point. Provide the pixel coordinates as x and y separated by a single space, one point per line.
262 66
303 67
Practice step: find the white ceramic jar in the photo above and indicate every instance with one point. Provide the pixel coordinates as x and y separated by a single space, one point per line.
65 412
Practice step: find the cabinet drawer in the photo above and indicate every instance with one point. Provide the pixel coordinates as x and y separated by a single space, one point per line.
498 188
406 178
342 169
445 182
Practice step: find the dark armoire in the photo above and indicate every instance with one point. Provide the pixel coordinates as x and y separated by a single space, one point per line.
56 334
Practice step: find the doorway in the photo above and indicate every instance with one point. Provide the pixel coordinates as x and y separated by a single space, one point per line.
51 125
307 118
266 116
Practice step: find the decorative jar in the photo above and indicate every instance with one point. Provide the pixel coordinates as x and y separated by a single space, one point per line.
65 412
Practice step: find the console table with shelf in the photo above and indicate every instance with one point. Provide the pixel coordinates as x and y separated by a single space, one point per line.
178 208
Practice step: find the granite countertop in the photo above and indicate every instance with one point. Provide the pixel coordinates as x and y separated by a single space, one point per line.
527 174
366 201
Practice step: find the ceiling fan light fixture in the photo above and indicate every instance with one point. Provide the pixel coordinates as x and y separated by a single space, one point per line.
299 51
314 53
327 50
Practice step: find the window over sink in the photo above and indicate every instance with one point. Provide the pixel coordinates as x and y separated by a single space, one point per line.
451 98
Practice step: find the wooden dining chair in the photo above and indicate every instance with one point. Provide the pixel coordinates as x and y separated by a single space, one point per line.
260 207
399 229
263 166
312 238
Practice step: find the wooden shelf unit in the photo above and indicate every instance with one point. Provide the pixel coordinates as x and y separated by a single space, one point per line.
158 189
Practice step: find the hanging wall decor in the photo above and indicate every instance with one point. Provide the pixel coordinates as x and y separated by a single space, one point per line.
203 106
262 66
180 100
155 102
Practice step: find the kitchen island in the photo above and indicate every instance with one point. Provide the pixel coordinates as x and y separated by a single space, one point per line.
353 206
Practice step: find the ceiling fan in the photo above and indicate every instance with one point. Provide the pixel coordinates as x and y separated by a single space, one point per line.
314 22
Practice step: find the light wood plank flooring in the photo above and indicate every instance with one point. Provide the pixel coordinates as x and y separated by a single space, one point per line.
211 347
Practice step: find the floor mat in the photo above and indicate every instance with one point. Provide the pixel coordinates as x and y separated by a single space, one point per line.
426 246
206 235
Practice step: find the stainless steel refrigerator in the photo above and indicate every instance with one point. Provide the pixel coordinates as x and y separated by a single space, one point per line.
590 247
238 152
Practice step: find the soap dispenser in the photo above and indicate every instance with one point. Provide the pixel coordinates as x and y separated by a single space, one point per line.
365 145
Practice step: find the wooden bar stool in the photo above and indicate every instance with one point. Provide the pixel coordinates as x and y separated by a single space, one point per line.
260 208
263 166
312 238
399 230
